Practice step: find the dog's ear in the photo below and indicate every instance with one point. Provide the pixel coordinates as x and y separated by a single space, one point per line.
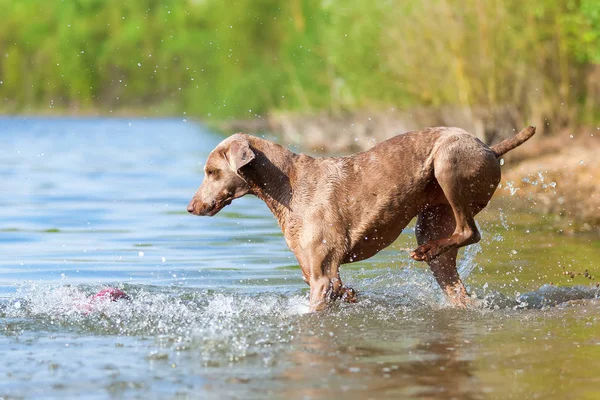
239 154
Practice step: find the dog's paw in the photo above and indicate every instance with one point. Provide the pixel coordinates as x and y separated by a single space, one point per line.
461 300
349 295
345 294
426 252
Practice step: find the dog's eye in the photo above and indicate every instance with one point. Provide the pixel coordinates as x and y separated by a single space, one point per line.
212 172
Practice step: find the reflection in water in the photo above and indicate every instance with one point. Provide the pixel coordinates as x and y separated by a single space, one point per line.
336 363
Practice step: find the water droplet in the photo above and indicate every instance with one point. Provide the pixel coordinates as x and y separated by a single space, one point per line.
510 186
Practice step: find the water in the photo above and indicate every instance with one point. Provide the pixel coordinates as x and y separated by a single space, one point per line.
218 309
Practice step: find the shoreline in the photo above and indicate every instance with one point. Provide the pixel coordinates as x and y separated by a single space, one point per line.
358 131
325 132
559 176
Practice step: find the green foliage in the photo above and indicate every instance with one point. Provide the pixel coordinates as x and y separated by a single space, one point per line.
587 42
245 57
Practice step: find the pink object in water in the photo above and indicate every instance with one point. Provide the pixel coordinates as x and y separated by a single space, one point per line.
113 294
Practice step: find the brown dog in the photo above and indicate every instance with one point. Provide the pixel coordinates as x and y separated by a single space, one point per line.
340 210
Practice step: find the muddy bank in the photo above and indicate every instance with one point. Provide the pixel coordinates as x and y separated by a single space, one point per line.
346 132
559 175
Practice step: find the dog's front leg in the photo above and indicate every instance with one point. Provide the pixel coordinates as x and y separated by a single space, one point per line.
338 289
321 274
320 293
326 286
324 289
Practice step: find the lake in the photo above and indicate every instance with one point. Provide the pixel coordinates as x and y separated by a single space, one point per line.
218 308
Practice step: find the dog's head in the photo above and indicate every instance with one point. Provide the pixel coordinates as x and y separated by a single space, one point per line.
222 182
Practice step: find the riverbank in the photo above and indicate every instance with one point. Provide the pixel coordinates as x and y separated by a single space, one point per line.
559 175
357 131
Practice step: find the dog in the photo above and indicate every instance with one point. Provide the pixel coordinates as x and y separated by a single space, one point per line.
338 210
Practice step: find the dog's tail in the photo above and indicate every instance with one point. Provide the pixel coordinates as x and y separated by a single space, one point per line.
515 141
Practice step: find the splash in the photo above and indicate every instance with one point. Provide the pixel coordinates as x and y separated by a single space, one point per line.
220 327
551 296
223 327
467 263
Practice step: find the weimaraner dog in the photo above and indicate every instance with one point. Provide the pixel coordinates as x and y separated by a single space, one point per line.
338 210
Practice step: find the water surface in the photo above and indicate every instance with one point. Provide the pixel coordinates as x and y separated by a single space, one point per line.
218 309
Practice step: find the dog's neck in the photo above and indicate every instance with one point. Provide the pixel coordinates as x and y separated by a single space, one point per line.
270 176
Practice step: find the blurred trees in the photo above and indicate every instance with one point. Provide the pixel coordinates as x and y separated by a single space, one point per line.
226 58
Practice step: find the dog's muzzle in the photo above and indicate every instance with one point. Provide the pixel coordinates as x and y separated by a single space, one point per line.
206 209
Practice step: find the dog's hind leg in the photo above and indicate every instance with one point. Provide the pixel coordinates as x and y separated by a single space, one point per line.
468 176
432 224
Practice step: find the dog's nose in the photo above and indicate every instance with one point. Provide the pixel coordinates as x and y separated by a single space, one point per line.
190 208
